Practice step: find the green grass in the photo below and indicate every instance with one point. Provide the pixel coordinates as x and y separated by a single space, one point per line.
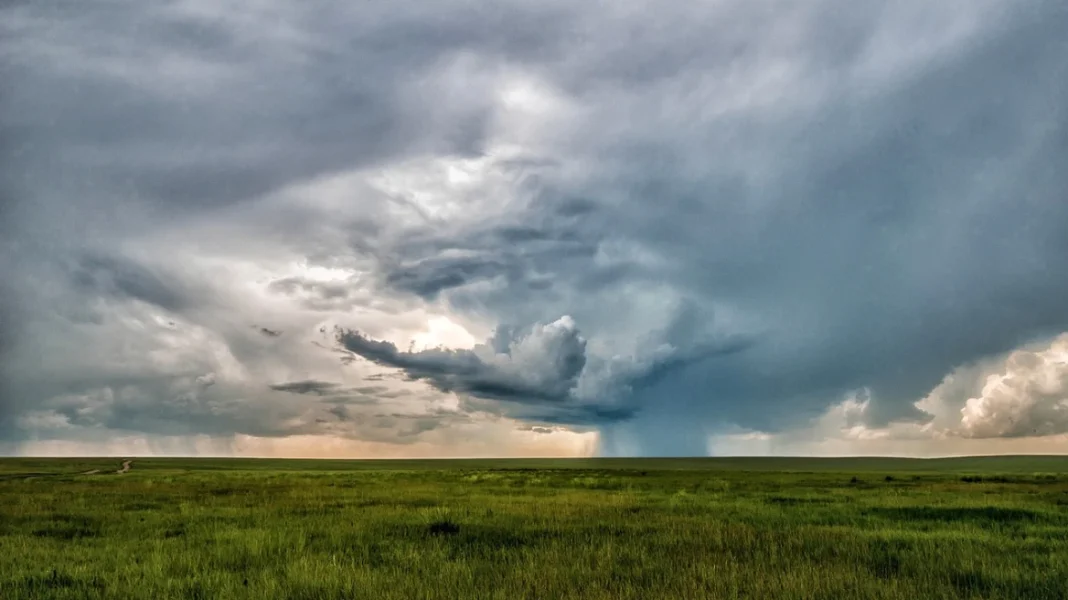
589 528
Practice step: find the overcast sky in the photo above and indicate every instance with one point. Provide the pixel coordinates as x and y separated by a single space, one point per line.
534 228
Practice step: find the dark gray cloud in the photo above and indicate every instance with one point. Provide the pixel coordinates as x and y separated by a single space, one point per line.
536 429
750 210
543 366
307 386
233 95
339 395
102 275
326 296
514 254
542 373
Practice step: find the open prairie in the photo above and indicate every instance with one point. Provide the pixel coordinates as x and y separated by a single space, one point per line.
535 528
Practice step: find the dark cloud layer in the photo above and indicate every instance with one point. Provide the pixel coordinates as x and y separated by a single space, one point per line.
543 373
751 210
543 366
113 276
307 386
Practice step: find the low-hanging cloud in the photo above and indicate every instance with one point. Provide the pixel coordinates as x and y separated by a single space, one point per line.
543 365
543 373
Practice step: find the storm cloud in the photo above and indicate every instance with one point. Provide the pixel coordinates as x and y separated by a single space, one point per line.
782 219
545 364
308 386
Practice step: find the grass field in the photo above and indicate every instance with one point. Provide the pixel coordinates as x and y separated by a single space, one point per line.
583 529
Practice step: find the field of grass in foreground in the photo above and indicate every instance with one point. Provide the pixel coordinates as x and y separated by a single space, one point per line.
589 529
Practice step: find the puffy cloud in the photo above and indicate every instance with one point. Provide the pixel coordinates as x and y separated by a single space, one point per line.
1023 394
1016 402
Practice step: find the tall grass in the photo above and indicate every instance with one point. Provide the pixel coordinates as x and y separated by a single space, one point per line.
168 529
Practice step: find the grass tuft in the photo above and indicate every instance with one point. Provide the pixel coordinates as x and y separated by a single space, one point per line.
444 527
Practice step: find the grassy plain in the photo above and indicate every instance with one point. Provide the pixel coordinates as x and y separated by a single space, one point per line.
585 529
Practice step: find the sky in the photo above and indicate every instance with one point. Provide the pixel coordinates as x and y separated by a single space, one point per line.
533 228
